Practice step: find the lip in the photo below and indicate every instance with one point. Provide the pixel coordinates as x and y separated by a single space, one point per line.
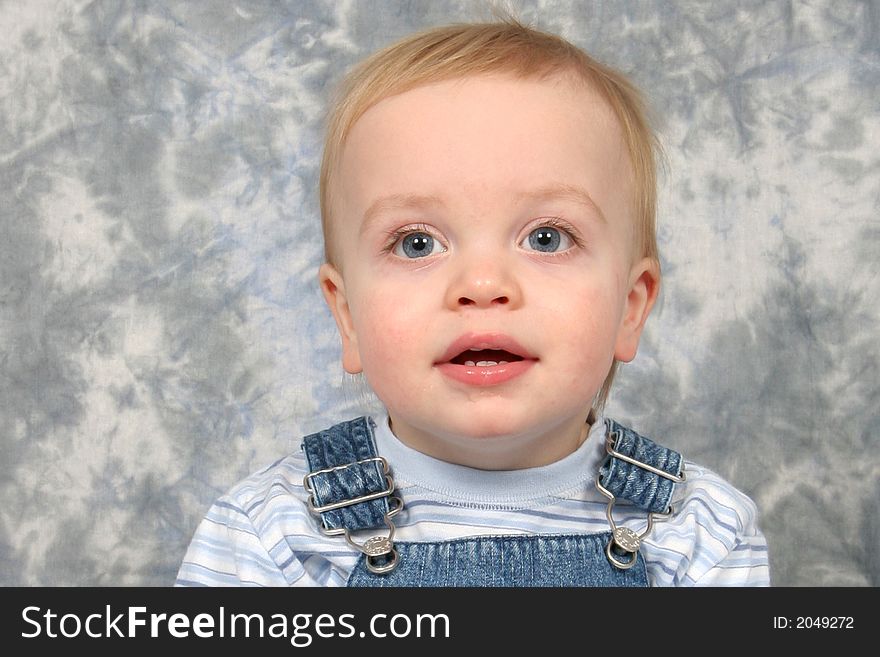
475 375
484 341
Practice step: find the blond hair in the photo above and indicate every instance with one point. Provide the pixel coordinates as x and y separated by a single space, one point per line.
505 46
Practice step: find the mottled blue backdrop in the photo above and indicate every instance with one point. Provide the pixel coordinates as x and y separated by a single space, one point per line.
162 333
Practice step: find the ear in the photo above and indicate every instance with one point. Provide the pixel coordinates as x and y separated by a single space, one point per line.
644 285
333 288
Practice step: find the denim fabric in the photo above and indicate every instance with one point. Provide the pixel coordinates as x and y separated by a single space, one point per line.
538 560
645 489
535 560
341 444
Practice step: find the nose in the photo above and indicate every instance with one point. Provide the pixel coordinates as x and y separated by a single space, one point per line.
484 282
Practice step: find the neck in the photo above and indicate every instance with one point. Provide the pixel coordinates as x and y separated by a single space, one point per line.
506 452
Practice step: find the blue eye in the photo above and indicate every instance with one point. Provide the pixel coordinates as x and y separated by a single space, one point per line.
415 245
547 239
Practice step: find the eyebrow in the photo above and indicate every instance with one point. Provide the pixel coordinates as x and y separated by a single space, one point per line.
565 192
550 192
398 202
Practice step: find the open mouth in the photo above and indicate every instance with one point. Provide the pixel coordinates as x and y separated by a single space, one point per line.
485 350
485 357
485 360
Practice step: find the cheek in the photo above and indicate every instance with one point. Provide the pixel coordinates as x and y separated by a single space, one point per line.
587 333
390 326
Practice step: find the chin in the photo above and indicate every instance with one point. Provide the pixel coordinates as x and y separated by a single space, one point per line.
491 426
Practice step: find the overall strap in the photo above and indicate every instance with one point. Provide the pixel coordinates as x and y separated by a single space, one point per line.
642 472
348 481
349 487
639 470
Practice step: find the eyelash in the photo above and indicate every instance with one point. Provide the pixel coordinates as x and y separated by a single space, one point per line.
564 226
392 237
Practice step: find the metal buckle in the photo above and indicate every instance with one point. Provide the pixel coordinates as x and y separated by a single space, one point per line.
375 546
611 441
623 538
356 500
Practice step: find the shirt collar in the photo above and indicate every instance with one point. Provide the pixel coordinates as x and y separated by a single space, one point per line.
499 487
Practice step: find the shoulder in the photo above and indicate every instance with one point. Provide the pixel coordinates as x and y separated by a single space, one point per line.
242 538
267 501
712 537
707 497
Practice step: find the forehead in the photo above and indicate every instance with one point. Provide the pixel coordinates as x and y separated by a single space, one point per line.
478 141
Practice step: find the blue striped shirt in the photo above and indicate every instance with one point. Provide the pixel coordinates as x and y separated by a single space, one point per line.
261 533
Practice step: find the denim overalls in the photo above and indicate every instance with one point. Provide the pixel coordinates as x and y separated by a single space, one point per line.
350 488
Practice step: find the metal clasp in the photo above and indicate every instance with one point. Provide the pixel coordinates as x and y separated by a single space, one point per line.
623 539
379 546
375 546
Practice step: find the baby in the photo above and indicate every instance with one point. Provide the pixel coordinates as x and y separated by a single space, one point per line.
488 196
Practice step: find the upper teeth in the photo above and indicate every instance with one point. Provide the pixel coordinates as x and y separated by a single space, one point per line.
485 363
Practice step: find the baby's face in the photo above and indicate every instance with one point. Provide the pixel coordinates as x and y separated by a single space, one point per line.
485 233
